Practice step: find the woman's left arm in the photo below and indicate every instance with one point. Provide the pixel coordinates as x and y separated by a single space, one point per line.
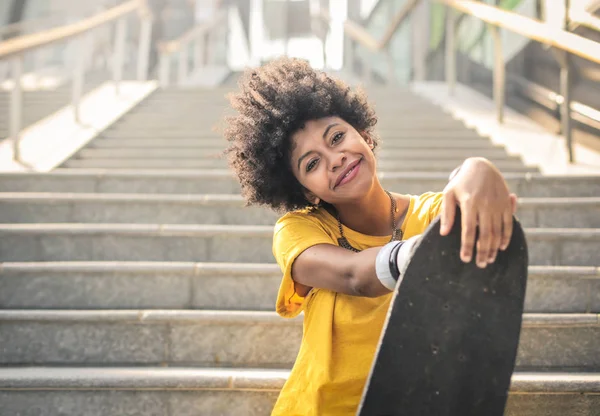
481 192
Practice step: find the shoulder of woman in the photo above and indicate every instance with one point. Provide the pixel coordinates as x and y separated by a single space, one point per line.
299 217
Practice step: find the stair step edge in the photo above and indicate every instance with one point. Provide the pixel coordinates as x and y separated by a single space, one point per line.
140 378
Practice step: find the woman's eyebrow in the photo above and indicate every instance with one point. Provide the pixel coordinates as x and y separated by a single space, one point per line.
302 157
324 137
329 128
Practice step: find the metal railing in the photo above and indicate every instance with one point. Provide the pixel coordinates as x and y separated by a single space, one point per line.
201 39
24 27
81 32
358 34
496 19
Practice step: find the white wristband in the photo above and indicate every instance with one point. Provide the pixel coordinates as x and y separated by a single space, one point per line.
382 265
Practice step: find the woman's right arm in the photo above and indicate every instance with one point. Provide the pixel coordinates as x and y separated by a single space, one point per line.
327 266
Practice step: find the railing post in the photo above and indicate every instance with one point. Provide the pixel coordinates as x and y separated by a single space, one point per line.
209 42
324 51
285 17
565 91
198 59
227 36
164 76
420 27
119 52
450 49
367 71
183 64
499 73
16 106
349 54
144 48
565 106
79 75
390 64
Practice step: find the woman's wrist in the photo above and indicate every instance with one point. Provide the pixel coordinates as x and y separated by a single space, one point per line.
392 261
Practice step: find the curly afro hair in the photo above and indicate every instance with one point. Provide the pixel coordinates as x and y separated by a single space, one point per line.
274 102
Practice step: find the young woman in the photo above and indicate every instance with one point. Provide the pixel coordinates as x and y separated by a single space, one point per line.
303 143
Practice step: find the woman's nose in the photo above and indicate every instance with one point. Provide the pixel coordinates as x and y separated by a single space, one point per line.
337 161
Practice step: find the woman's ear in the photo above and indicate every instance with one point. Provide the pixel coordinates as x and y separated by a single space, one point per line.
311 198
368 139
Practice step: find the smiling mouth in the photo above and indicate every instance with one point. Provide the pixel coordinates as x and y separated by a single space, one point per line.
348 172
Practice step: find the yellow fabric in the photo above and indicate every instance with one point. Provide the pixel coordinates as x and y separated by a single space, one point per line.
340 331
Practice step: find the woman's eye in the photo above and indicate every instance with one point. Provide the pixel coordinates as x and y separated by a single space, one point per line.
337 137
310 165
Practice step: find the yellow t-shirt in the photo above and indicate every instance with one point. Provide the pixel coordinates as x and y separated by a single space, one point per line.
341 332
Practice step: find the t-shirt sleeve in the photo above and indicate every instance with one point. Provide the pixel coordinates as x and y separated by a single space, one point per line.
293 235
433 203
428 206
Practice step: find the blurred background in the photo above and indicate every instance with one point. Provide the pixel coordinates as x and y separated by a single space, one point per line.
133 278
255 31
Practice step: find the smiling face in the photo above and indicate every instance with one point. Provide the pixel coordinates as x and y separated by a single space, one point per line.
333 161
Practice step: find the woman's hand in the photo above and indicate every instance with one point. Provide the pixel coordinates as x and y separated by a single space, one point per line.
485 202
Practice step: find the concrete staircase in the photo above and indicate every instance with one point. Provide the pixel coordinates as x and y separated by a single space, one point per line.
133 281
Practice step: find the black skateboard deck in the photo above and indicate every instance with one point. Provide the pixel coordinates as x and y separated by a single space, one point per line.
449 344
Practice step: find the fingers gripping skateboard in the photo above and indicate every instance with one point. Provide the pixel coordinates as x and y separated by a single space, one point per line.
449 344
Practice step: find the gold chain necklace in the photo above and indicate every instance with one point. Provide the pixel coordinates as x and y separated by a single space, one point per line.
396 233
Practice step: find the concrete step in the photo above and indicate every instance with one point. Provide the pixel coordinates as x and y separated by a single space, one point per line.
49 207
145 164
148 391
189 102
200 121
222 181
212 145
177 106
183 162
183 129
108 391
176 112
226 286
397 143
493 153
250 339
225 243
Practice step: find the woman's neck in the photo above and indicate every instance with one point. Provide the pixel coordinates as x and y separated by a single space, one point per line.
372 214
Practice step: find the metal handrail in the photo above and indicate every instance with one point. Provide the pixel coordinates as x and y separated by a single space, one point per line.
199 36
27 43
14 50
358 33
566 42
496 19
530 28
552 101
361 35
